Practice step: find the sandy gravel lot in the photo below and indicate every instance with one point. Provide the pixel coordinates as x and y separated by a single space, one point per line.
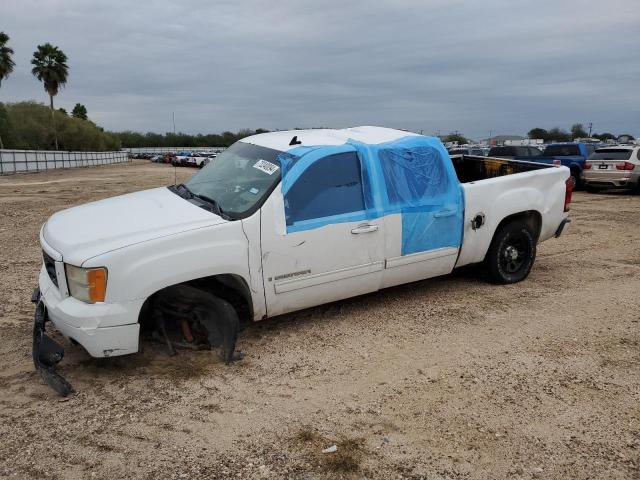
450 378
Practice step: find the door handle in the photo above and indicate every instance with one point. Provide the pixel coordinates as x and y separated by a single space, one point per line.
444 213
364 229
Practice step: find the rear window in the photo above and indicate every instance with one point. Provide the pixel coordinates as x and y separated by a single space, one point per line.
612 154
498 151
562 151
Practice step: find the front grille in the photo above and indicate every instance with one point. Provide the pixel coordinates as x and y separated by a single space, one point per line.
50 267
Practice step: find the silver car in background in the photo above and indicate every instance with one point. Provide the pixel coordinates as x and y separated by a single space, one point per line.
613 167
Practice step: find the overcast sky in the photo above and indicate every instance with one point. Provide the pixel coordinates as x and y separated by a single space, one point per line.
435 65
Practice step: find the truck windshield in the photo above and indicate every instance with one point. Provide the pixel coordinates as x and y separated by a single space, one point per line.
562 151
239 179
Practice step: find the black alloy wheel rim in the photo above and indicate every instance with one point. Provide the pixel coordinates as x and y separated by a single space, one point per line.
515 253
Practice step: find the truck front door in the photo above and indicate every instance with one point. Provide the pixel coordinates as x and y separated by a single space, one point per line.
317 245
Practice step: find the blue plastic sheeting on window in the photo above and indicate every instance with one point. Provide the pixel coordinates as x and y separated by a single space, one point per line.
412 176
329 187
424 230
429 196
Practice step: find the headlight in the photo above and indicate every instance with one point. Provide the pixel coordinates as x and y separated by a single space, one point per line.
87 284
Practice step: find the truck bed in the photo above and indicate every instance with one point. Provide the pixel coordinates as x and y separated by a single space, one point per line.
471 168
493 190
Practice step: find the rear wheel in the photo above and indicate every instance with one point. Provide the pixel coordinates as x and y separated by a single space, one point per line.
512 253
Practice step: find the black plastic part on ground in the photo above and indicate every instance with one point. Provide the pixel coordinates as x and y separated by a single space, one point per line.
46 351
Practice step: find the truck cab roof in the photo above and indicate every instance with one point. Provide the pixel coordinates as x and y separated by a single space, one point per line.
282 140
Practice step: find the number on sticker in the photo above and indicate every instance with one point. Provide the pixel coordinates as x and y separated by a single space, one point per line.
266 167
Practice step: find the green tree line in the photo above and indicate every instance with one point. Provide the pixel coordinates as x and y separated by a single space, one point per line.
140 140
557 134
30 126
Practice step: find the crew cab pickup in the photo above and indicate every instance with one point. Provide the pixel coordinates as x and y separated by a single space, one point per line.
287 220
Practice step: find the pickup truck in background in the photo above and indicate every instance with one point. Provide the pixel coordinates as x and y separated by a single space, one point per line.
473 150
570 155
280 222
514 152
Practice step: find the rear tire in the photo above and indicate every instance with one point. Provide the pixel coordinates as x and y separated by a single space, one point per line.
512 253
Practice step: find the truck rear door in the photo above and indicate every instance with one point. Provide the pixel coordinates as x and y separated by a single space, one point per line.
426 210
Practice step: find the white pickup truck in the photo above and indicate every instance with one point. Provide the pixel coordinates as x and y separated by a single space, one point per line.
284 221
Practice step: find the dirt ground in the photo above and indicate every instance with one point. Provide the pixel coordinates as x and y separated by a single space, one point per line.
450 378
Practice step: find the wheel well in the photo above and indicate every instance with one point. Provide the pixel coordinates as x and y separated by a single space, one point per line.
229 287
532 217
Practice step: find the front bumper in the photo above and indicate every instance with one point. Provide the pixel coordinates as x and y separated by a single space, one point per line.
103 329
45 351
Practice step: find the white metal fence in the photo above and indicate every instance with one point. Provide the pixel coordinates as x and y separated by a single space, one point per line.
16 161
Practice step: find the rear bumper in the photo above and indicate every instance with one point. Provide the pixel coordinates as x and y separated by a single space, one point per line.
622 179
104 329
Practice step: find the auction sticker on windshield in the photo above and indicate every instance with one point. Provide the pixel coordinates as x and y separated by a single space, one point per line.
267 167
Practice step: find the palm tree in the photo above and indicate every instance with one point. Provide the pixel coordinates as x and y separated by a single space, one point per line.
6 62
50 67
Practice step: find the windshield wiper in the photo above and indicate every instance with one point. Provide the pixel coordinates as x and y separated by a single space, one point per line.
217 209
216 206
180 188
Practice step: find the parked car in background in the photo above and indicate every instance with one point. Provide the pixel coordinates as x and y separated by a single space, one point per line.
518 152
478 151
613 167
572 155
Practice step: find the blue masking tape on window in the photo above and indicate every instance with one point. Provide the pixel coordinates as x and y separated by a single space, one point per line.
300 158
412 176
330 187
321 222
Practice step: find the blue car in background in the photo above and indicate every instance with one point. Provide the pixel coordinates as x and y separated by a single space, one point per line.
572 155
569 154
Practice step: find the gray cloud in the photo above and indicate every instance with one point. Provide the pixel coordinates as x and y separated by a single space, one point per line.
432 65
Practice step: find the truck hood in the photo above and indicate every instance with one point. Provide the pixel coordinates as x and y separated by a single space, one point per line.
82 232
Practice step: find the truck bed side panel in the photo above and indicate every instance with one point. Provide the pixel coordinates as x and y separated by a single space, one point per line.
497 198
